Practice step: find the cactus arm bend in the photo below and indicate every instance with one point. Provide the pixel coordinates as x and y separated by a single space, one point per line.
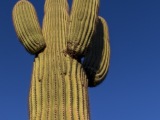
27 27
96 61
81 26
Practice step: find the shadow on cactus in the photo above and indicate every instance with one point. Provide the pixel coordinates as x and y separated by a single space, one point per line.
60 81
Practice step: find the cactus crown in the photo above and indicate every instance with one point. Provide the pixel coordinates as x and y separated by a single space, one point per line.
60 80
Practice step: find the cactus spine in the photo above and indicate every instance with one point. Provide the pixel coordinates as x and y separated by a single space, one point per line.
59 85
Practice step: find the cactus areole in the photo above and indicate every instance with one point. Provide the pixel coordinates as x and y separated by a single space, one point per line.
60 80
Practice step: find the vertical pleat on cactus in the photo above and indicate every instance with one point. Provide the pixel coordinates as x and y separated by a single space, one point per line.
60 81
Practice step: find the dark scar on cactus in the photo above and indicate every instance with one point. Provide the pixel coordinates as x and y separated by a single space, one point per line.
72 53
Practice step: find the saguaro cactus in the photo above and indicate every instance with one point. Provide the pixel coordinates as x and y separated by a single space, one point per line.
60 79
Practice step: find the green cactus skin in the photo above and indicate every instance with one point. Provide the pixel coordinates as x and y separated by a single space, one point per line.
59 84
30 34
82 24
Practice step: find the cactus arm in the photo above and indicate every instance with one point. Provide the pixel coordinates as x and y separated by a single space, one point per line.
81 27
96 62
27 27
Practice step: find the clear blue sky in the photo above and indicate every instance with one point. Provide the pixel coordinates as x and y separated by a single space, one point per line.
132 88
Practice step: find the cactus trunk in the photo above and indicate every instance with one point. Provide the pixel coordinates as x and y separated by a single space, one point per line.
61 92
59 84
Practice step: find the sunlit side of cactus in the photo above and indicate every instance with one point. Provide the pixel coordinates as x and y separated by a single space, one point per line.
59 85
